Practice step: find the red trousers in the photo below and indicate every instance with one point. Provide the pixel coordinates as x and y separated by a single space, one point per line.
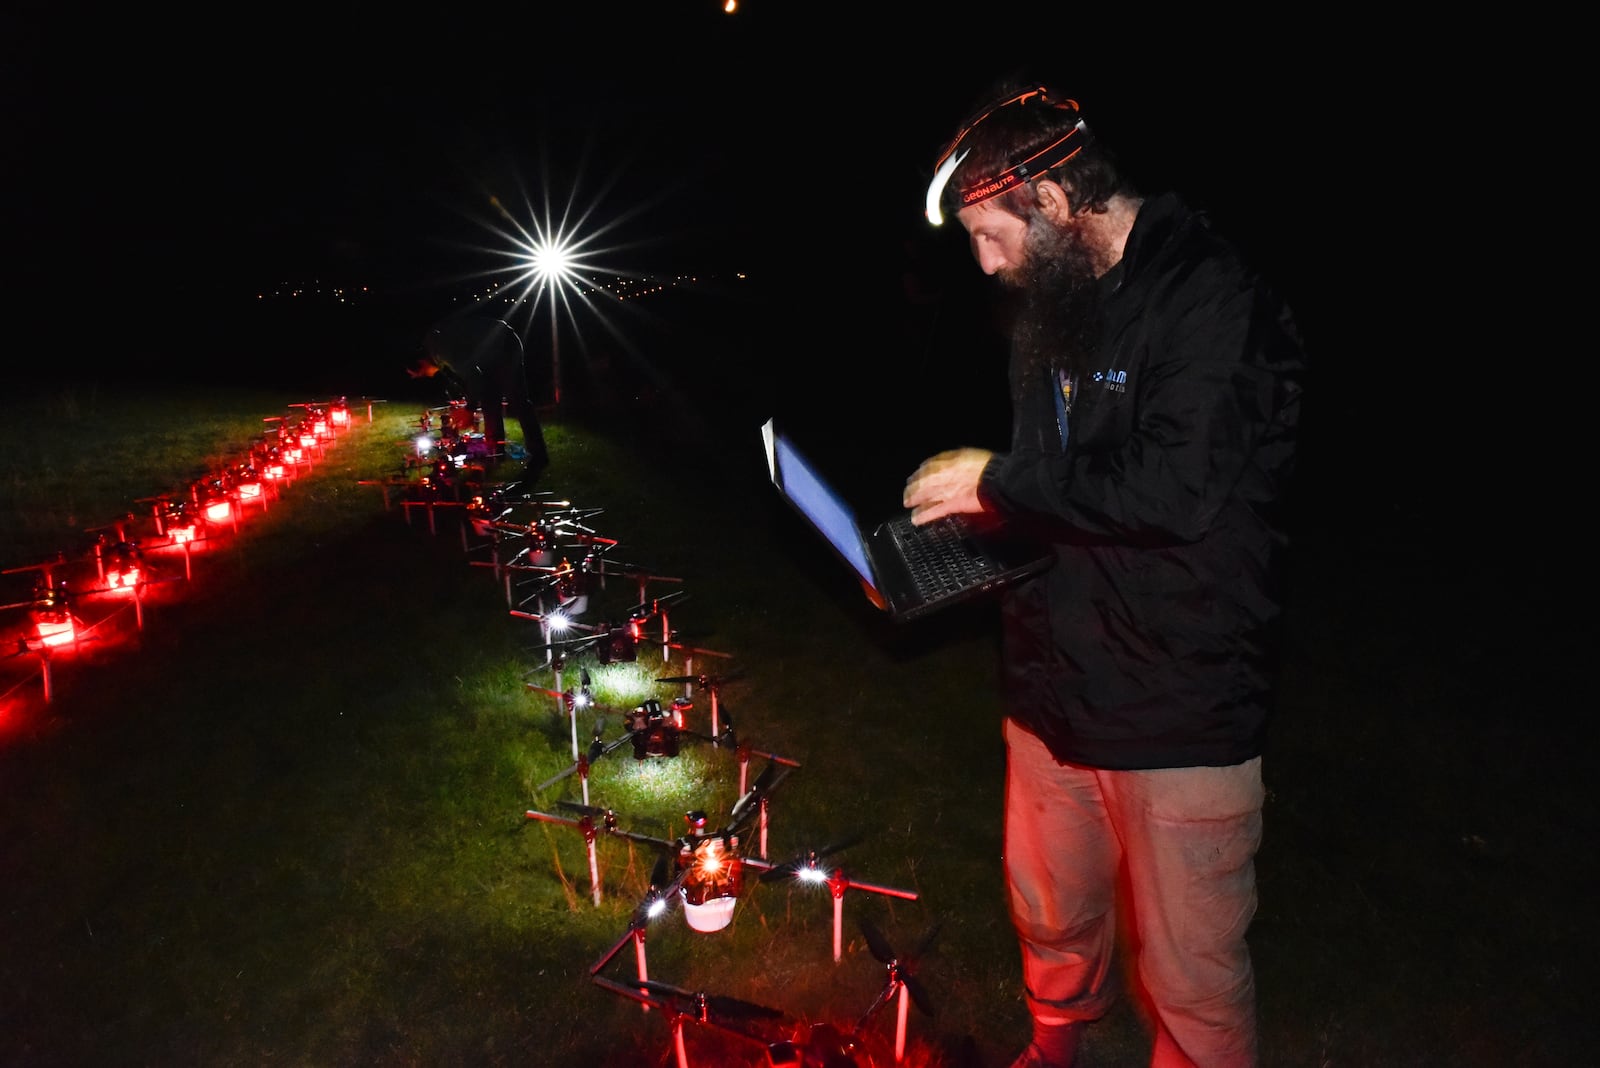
1168 854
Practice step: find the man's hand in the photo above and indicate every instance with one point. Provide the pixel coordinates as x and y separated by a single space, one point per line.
946 484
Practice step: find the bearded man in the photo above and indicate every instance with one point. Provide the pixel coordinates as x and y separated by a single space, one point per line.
1155 381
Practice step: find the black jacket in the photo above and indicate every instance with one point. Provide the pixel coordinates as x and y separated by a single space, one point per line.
1154 639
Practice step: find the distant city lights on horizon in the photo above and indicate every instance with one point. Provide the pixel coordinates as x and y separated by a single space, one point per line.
617 289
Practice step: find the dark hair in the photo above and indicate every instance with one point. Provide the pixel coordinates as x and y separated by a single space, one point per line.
1012 126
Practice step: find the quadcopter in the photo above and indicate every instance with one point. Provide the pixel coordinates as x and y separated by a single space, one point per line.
284 444
718 859
306 431
179 525
53 621
489 512
49 609
330 416
614 641
458 437
803 1045
121 563
550 544
709 863
650 729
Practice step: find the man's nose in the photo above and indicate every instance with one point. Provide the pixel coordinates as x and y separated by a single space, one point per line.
990 259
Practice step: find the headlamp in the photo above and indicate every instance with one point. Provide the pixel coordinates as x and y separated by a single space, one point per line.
1013 174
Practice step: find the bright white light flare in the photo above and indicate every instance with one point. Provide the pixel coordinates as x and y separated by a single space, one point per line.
941 179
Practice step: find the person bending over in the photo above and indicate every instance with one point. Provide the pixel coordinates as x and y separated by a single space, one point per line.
481 360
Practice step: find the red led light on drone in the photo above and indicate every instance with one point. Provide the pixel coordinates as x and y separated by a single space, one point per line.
126 579
249 490
319 428
711 887
308 441
218 511
55 630
339 416
181 535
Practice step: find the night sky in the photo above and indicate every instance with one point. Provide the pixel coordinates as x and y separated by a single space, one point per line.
315 140
160 172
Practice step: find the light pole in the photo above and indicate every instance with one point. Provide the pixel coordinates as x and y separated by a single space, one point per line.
550 256
550 260
555 352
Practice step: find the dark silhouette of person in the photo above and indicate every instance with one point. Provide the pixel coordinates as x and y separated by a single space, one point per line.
481 360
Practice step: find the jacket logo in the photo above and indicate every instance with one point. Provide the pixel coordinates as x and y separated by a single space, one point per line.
1115 381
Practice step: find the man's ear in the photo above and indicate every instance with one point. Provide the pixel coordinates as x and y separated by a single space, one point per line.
1053 200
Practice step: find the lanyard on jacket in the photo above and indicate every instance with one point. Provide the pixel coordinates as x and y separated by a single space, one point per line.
1064 383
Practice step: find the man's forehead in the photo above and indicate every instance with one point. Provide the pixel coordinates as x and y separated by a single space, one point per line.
987 216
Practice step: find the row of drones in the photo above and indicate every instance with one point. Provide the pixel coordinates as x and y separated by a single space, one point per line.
555 568
75 594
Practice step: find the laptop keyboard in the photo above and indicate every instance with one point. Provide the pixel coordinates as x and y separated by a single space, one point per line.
937 554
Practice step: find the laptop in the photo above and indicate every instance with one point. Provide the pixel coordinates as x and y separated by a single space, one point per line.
908 571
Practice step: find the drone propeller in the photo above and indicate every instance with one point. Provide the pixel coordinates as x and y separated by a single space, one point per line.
621 569
747 806
597 749
701 1005
605 820
661 875
582 697
611 642
653 606
901 970
705 682
725 736
807 861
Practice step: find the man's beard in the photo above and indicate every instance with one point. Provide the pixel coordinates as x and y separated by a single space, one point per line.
1051 304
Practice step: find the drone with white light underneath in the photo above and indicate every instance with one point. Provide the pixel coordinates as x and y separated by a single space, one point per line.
715 861
703 873
613 640
653 731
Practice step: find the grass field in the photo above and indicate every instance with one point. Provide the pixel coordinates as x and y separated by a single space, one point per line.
284 819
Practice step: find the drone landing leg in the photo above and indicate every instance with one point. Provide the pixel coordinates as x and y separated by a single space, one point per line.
838 925
900 1026
594 863
677 1042
644 970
